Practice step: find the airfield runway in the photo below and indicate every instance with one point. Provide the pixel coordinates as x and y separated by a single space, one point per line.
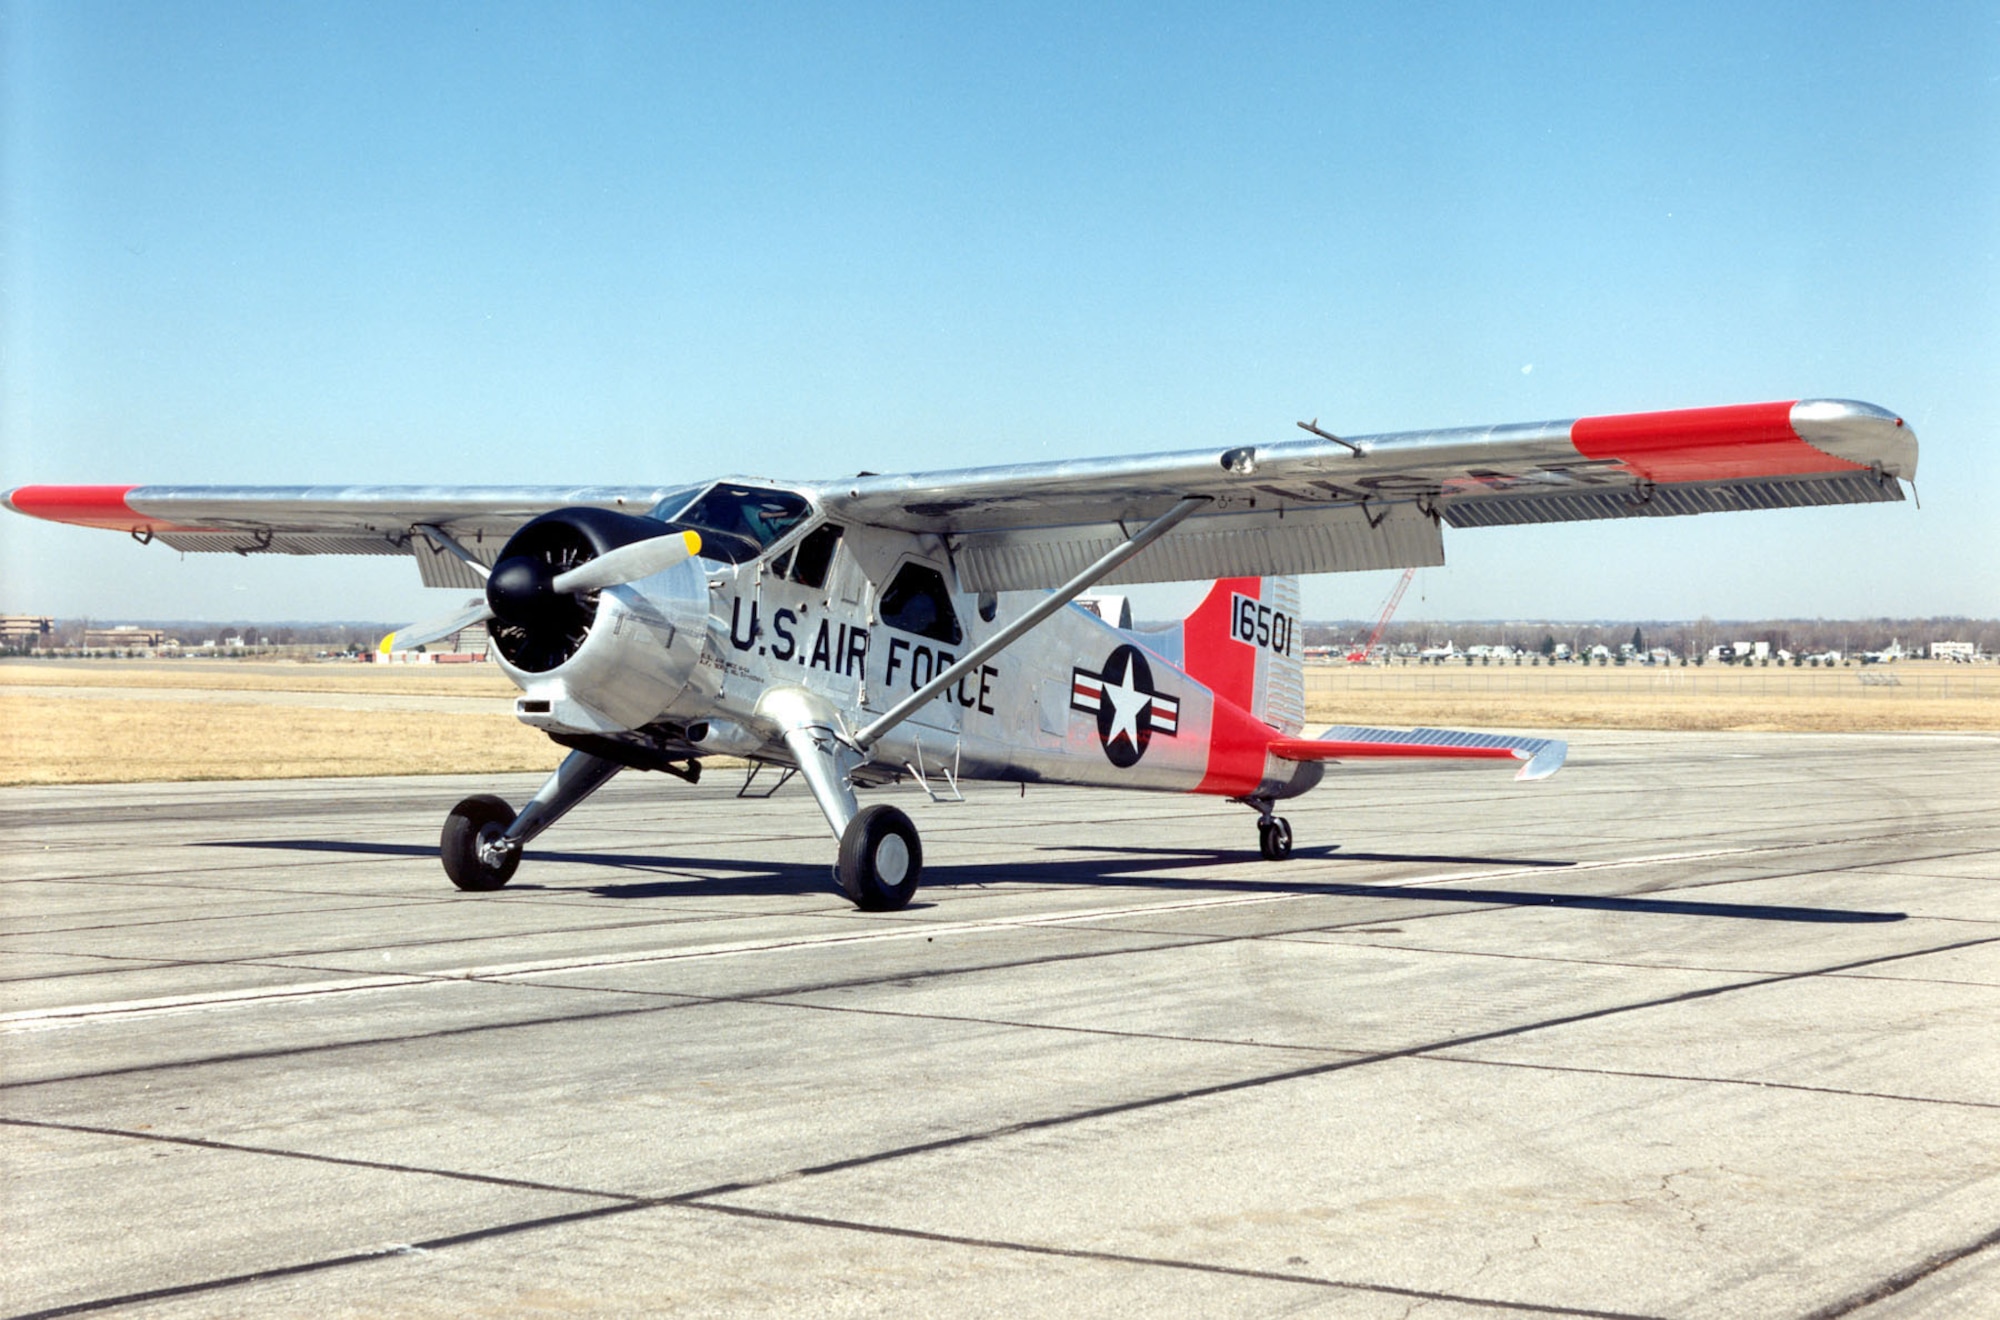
1708 1025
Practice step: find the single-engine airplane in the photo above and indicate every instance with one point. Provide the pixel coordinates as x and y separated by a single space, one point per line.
923 627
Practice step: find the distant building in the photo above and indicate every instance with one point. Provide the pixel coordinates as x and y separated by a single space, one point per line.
474 641
126 637
1963 653
25 632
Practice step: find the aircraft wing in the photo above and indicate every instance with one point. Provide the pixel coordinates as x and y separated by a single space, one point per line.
1322 505
1314 505
326 520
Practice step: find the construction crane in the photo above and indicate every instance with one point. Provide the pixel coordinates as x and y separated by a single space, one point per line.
1361 655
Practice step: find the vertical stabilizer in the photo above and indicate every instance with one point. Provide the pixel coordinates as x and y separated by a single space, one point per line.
1242 643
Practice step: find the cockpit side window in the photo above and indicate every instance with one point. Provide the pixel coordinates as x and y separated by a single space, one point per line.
753 513
917 601
814 556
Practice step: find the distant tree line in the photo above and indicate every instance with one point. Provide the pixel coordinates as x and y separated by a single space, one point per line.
1848 636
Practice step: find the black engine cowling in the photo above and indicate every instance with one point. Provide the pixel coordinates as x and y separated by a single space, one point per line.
535 627
602 661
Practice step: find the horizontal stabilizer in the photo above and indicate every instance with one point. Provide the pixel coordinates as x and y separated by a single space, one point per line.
1342 742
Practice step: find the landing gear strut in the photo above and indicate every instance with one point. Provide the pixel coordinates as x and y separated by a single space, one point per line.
880 856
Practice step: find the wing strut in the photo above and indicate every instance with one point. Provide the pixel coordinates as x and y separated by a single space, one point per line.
1008 635
448 543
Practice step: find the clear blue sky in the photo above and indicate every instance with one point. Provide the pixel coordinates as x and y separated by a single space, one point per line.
276 243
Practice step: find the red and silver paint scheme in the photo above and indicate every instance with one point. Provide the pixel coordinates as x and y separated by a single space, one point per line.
920 627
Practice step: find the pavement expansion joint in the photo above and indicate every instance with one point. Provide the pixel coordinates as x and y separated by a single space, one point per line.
1168 1263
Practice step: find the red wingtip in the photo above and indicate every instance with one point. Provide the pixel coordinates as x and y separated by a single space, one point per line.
1706 444
83 506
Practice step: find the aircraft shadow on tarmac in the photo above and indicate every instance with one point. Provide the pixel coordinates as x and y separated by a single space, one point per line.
1122 867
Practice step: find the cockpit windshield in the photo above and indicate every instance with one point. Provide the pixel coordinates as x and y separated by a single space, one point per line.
738 523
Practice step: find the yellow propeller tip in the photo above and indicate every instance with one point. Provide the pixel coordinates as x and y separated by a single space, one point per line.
693 542
387 643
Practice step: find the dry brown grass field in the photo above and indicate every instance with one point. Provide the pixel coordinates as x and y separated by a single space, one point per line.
1909 695
259 676
126 721
123 721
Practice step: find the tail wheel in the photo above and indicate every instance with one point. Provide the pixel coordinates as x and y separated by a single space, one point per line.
880 859
1274 838
470 832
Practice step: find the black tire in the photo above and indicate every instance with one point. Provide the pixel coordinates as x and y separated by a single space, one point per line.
472 821
880 859
1274 838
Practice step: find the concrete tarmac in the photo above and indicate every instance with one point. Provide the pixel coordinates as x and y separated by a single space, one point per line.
1705 1026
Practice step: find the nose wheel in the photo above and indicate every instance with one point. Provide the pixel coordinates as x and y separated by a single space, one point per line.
1274 838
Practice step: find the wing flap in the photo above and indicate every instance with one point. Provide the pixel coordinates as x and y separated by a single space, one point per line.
1250 543
1650 500
1543 756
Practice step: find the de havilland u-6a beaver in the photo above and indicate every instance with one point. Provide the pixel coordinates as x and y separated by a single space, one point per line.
927 626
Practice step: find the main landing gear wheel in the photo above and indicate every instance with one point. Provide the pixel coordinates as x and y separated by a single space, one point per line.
880 859
468 848
1274 838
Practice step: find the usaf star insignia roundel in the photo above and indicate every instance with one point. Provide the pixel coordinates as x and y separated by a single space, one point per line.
1129 710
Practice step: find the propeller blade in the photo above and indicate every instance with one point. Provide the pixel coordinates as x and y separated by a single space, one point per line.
629 563
423 634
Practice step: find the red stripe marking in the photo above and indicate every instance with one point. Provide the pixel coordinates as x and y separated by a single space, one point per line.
1314 749
1237 741
87 506
1705 444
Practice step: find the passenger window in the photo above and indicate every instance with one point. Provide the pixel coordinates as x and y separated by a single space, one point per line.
917 602
814 556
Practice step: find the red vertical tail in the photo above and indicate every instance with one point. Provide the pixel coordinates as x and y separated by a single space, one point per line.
1242 643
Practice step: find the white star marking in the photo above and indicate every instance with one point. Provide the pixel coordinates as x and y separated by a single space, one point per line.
1127 705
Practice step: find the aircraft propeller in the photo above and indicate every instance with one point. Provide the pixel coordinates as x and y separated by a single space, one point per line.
525 590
